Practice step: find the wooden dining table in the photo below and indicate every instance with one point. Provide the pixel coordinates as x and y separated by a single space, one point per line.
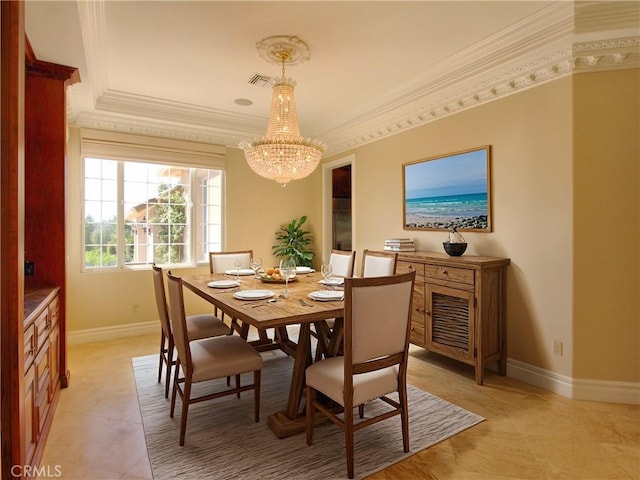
296 309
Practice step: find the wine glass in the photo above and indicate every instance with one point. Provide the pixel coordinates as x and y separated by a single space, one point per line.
237 264
256 266
326 270
288 271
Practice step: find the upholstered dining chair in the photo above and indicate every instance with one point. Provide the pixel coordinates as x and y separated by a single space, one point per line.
374 264
342 264
198 326
207 359
376 345
220 262
378 264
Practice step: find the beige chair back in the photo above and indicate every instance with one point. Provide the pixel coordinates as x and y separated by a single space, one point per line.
342 263
378 264
161 300
377 316
178 319
219 262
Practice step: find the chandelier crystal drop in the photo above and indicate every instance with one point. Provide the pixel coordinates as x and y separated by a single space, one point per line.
282 154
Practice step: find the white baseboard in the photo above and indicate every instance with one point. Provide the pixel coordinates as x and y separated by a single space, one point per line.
101 334
594 390
607 391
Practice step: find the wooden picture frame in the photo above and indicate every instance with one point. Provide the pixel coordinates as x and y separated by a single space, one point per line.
446 191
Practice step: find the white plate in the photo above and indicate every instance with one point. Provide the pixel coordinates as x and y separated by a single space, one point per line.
242 271
253 294
223 284
326 295
304 270
333 281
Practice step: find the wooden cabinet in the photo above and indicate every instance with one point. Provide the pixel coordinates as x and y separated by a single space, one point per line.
41 357
32 187
45 186
33 340
459 307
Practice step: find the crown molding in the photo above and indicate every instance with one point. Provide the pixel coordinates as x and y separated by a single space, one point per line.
155 128
180 113
94 35
610 54
540 49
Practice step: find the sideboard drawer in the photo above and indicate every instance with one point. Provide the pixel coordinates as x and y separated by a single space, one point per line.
454 274
406 267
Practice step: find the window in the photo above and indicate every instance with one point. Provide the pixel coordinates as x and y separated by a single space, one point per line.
138 213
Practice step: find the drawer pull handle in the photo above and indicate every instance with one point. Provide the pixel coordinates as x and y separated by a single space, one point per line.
444 272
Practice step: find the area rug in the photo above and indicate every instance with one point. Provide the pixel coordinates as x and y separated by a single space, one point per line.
223 441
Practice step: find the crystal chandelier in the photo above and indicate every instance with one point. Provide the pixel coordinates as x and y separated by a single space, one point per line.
282 154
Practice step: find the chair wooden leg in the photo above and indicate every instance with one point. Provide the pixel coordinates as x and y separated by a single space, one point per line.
185 409
361 410
238 385
170 349
161 356
348 438
256 394
404 415
175 388
311 395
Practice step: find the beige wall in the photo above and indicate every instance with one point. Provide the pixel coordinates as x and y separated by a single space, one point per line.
556 214
530 134
565 186
256 207
607 226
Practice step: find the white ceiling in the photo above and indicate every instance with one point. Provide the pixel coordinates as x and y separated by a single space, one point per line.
174 68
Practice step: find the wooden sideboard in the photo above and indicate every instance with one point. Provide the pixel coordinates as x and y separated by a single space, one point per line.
459 307
41 360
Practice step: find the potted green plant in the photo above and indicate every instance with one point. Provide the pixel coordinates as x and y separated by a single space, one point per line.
293 241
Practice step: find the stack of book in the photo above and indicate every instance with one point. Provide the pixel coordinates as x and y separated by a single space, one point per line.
399 245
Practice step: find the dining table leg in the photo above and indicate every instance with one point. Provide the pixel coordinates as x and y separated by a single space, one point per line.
291 421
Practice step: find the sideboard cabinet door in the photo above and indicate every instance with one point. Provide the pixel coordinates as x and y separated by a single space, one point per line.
450 322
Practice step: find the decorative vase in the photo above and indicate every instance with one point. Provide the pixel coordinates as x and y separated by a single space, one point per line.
455 244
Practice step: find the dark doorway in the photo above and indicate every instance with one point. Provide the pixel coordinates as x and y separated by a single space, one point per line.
341 208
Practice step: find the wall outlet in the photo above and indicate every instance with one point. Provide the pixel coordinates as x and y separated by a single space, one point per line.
557 348
29 269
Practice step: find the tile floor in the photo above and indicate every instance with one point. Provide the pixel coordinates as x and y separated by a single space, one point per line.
529 433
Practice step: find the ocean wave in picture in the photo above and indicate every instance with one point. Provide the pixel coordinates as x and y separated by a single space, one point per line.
466 205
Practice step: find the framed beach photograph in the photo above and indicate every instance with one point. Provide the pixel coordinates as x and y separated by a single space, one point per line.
447 191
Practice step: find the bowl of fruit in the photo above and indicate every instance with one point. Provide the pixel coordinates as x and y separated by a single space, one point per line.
273 275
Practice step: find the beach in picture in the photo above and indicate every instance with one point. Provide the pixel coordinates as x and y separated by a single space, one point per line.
447 192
